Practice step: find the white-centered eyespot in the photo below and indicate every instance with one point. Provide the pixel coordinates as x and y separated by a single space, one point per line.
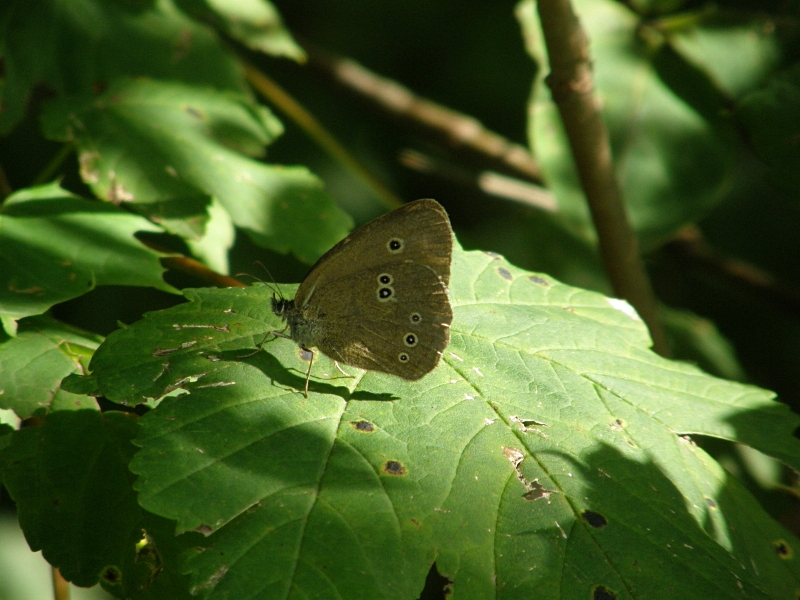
395 245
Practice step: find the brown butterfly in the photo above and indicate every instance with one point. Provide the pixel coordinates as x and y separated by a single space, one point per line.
378 299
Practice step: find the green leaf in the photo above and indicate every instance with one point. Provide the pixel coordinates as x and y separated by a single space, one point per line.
751 35
152 571
544 457
70 481
770 118
186 216
55 246
672 163
33 363
220 234
78 46
147 141
255 23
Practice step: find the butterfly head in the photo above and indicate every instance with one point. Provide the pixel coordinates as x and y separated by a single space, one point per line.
281 307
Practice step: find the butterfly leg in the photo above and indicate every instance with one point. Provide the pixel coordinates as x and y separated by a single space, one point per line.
342 371
260 346
308 373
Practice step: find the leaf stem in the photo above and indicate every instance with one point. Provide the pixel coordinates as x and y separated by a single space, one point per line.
60 585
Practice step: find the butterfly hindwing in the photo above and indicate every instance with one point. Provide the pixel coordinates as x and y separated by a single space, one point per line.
397 321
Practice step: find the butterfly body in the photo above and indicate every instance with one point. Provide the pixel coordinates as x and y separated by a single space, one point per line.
378 299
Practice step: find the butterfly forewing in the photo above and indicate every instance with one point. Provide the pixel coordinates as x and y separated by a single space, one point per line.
417 232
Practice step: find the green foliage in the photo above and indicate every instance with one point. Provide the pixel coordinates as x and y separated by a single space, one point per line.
673 148
55 246
34 362
551 454
550 430
770 116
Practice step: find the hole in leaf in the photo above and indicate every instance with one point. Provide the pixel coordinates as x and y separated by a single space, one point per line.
594 519
437 587
601 592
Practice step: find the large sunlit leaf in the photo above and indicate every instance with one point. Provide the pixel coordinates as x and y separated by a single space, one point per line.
544 457
147 142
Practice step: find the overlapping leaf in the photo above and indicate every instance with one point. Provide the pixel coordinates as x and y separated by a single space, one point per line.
149 142
255 23
55 246
33 363
769 115
159 41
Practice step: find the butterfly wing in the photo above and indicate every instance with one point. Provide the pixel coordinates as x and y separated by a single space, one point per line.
418 232
394 318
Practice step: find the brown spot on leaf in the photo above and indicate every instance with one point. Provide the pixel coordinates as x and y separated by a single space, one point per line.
783 549
362 426
394 467
111 575
194 112
538 280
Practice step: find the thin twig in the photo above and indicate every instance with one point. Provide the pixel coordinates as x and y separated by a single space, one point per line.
184 264
488 182
458 129
306 121
60 585
191 266
571 85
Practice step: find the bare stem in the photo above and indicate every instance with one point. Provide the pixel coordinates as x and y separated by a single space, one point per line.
60 585
572 87
457 129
